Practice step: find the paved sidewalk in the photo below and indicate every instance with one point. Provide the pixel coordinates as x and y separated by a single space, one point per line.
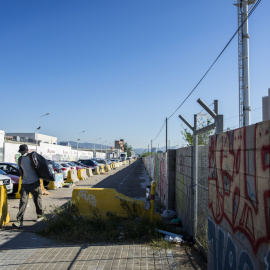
24 249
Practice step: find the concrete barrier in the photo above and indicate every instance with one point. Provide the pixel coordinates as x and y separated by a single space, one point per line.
72 176
107 168
101 169
58 183
108 200
4 215
97 172
18 195
82 174
89 172
43 189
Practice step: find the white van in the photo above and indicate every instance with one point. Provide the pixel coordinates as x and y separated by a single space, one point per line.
6 181
123 156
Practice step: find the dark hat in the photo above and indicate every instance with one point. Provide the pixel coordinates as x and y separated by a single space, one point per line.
23 148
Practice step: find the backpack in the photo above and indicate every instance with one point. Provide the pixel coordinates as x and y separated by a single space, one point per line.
42 166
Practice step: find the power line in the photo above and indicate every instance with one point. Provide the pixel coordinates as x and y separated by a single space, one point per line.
160 130
249 14
238 115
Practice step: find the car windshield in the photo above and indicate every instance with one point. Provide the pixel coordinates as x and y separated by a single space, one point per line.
2 172
16 166
72 164
65 165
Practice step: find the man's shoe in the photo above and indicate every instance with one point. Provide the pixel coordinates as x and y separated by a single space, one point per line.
39 218
17 224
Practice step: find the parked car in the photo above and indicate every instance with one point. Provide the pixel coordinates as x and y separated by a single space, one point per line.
64 168
6 181
89 162
83 165
14 180
56 167
108 161
115 160
10 168
101 161
74 165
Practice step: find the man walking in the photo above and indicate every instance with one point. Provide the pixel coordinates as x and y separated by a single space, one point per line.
30 183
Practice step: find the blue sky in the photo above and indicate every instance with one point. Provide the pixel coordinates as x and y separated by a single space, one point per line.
117 69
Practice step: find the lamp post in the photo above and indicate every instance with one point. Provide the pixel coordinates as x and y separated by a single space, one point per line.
95 146
38 120
102 145
77 145
36 138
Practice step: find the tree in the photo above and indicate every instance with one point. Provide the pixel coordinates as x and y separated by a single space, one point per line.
128 149
202 137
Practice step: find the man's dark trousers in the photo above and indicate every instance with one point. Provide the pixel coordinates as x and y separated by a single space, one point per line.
35 189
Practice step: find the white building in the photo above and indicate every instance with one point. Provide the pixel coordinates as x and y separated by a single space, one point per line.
32 137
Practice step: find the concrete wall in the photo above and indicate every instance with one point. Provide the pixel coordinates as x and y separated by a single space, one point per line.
170 183
156 166
183 188
239 199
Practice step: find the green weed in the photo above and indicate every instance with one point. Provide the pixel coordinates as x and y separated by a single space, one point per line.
66 225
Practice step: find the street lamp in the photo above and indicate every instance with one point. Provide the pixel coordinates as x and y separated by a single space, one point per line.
36 137
102 146
38 120
95 146
77 145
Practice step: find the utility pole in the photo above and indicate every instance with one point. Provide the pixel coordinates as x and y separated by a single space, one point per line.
243 62
166 134
151 147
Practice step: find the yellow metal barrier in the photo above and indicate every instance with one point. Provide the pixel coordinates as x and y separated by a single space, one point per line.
82 174
108 200
4 215
97 172
72 177
18 195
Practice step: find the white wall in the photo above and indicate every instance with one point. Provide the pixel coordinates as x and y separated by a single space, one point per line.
2 139
49 151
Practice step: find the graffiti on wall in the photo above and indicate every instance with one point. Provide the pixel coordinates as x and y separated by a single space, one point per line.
238 183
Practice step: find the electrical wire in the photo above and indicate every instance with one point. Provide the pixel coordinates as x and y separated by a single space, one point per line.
238 115
160 130
244 20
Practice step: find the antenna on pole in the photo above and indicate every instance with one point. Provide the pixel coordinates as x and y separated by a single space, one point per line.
243 61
